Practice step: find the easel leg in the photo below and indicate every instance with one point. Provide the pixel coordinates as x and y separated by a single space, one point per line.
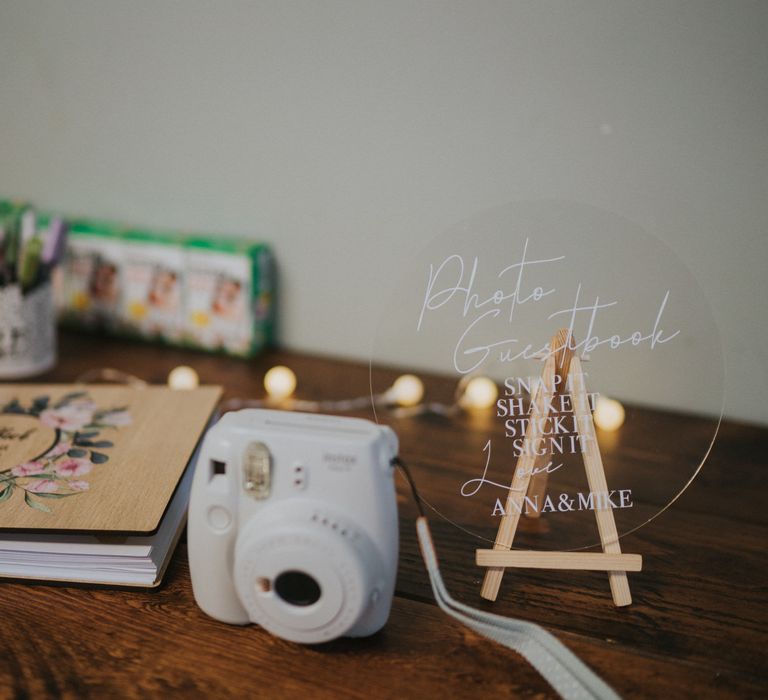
520 481
593 463
537 489
561 347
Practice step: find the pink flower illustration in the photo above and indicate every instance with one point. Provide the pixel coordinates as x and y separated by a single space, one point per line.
56 473
116 418
28 468
58 449
73 467
43 486
68 418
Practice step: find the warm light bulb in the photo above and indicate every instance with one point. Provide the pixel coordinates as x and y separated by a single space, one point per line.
183 378
480 392
407 390
280 382
609 414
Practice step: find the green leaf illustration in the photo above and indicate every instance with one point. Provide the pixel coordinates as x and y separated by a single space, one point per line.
99 457
5 494
57 495
105 411
77 452
95 443
64 400
35 504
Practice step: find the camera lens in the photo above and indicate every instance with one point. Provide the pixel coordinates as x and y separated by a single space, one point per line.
297 588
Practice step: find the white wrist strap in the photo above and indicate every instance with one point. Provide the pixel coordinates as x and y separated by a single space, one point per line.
560 667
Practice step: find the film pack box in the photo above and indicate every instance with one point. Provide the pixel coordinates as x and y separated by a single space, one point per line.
198 291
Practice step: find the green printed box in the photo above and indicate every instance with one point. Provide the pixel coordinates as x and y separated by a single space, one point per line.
198 291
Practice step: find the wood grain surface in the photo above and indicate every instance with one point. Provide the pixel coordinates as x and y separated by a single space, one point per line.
696 628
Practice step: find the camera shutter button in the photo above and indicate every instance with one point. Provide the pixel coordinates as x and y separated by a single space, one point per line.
219 518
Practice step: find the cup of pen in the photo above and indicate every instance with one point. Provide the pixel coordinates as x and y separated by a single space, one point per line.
28 257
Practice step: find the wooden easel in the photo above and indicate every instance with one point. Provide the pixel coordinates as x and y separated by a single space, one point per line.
560 364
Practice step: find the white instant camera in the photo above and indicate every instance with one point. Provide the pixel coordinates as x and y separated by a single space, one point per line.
293 524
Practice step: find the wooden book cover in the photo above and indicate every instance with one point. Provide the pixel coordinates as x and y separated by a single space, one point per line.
95 458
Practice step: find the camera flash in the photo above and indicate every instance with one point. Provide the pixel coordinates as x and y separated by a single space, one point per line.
609 414
480 392
183 377
407 390
280 382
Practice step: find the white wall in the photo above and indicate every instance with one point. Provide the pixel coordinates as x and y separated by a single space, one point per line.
346 132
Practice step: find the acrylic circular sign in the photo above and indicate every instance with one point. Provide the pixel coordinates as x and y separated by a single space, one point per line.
573 372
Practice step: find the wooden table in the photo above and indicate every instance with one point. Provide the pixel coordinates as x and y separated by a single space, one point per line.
696 628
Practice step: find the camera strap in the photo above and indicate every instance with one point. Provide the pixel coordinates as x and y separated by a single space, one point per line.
560 667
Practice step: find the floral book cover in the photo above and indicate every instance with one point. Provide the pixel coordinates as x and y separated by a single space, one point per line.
95 458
